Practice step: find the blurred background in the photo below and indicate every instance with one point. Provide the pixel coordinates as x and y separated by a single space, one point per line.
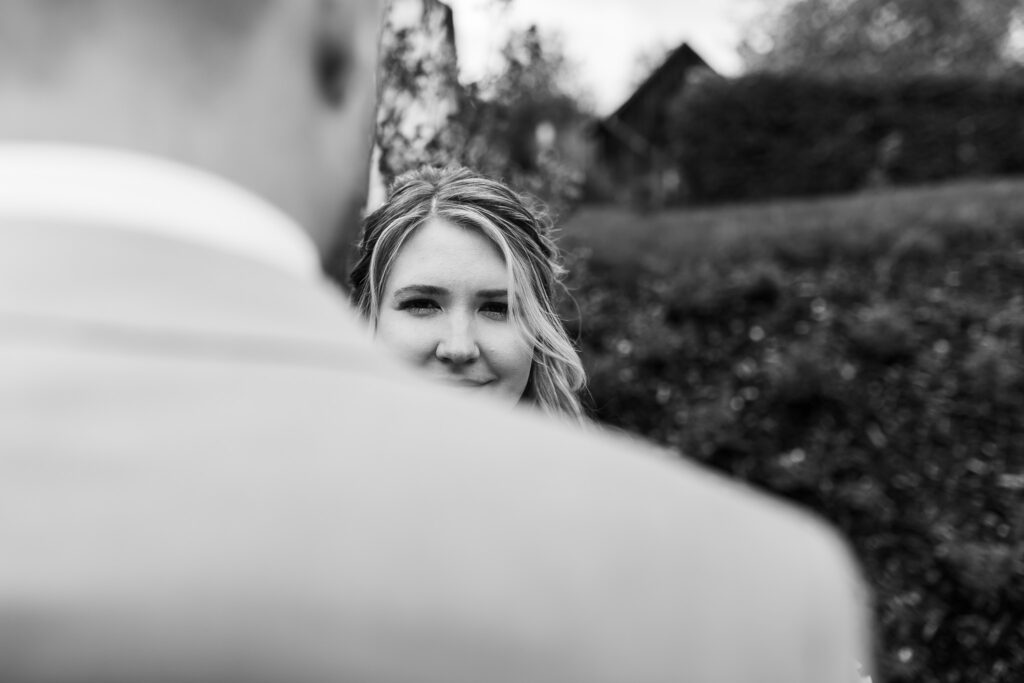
795 231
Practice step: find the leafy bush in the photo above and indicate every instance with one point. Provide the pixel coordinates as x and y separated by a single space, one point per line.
874 376
771 135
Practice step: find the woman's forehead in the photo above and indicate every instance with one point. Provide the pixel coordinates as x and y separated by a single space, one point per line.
441 250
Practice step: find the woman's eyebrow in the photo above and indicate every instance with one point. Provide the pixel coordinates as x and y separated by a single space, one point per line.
427 290
492 293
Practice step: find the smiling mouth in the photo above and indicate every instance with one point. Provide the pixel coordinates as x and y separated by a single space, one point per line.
466 382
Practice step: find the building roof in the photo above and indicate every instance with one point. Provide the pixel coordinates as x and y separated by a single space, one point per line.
668 77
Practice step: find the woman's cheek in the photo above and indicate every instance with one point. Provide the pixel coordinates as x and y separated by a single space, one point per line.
419 340
517 355
403 336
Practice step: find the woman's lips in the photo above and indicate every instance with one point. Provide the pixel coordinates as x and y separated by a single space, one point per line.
466 381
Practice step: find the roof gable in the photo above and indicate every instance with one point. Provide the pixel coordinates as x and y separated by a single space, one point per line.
663 84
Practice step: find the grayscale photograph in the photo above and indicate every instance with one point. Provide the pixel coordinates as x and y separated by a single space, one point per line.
511 341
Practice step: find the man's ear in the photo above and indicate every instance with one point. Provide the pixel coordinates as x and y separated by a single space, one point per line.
332 50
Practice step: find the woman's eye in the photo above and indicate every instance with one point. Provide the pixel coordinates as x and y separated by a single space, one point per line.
418 306
495 309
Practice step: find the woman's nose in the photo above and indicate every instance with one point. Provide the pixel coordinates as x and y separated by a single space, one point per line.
458 345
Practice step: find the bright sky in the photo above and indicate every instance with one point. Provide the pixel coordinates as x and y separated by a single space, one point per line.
605 39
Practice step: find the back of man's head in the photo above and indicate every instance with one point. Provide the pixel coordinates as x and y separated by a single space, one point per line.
48 36
276 95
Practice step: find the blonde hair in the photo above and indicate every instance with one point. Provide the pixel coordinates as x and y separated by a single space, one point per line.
519 230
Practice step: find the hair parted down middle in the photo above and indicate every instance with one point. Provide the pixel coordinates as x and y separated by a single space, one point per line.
520 230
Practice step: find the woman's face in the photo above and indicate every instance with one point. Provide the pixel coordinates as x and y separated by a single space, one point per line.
445 309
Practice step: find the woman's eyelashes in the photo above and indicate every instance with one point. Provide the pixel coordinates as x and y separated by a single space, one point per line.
495 310
418 306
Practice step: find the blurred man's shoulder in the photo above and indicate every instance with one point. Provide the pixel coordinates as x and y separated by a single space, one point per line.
614 462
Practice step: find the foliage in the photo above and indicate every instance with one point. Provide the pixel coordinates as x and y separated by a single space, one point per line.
885 37
769 135
871 372
500 119
419 91
491 126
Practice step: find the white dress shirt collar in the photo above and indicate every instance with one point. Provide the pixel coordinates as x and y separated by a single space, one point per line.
77 185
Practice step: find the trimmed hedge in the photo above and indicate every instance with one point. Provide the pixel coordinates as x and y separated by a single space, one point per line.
772 135
878 381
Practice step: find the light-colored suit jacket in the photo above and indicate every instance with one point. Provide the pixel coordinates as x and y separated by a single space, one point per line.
207 473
